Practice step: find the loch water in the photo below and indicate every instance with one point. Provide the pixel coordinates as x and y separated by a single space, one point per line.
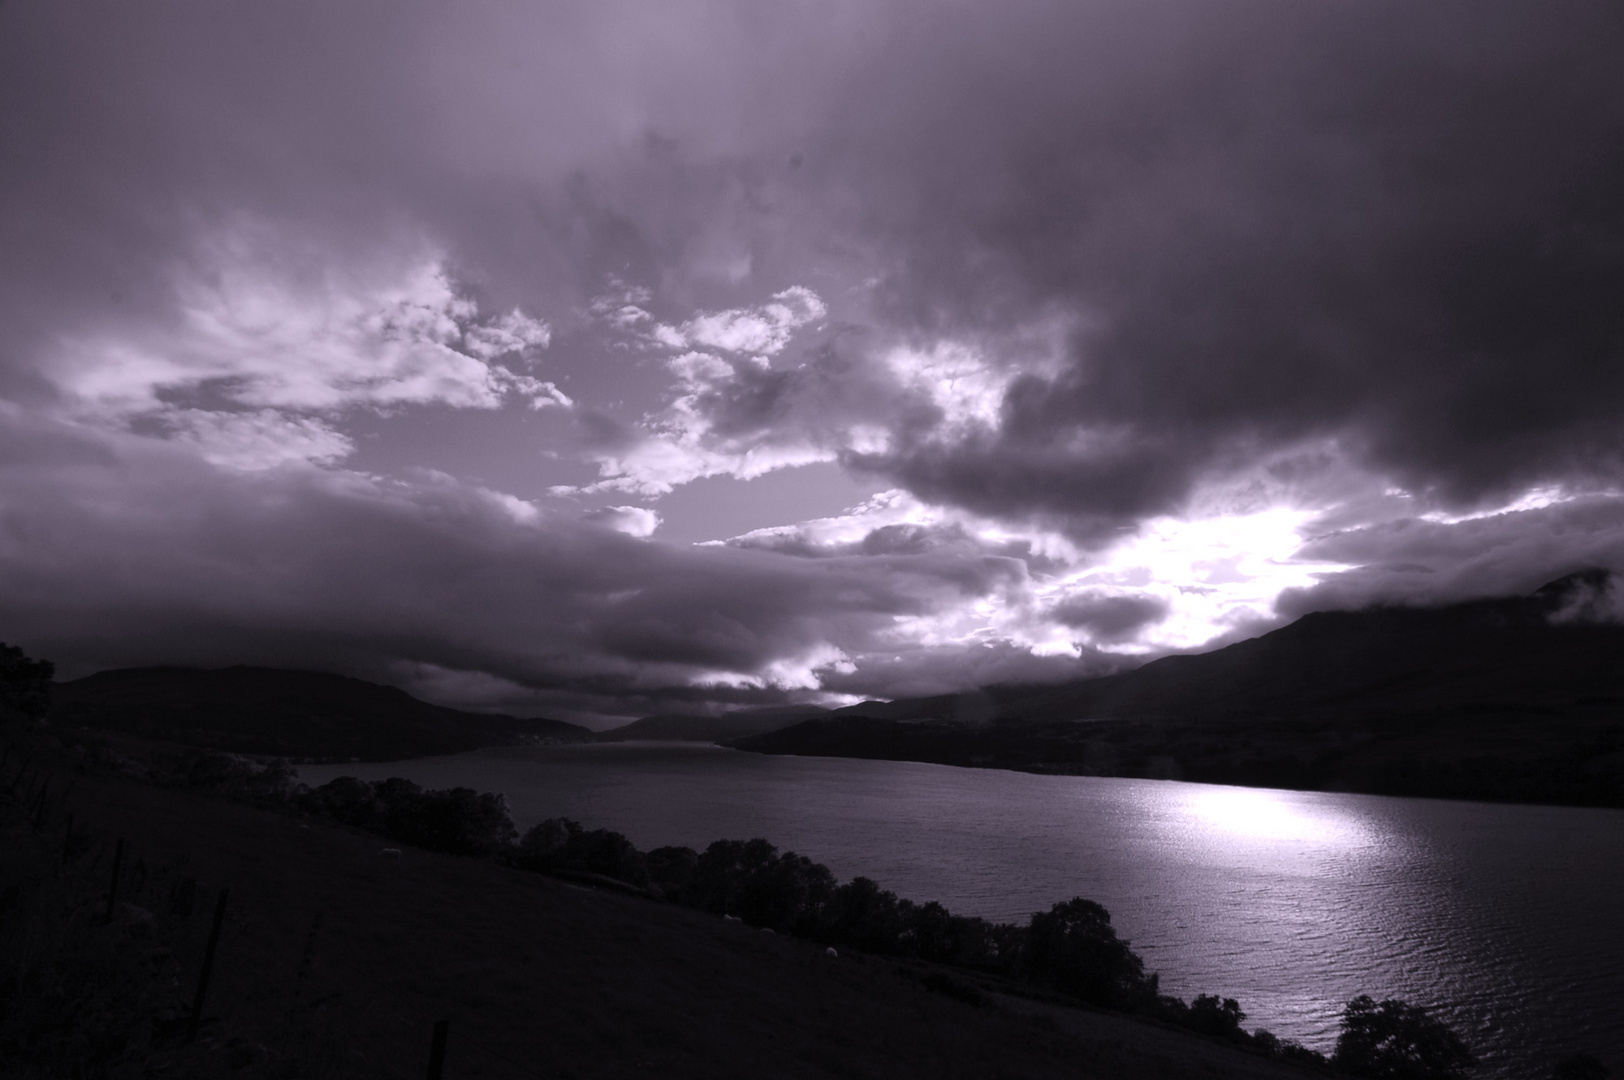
1509 919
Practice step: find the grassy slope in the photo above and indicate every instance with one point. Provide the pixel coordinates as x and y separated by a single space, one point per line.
565 981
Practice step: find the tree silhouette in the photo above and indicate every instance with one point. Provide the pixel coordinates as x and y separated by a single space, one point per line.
25 684
1394 1040
1073 948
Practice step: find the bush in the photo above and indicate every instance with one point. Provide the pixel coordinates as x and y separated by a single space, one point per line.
270 783
1394 1040
459 821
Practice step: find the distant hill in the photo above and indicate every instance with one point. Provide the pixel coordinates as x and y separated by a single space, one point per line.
298 714
731 725
1513 698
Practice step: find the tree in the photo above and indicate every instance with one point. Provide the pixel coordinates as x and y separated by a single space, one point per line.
1073 948
561 844
751 880
1394 1040
25 685
1218 1017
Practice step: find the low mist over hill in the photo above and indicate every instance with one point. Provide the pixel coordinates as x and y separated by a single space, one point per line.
301 714
1513 698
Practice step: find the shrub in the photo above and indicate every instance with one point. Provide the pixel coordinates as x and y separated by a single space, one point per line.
270 783
459 821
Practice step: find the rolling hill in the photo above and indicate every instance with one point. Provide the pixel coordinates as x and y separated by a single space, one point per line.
695 728
299 714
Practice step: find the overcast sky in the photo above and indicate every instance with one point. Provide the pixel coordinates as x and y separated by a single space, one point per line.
603 358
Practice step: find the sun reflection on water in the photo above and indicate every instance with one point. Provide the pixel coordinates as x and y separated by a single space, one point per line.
1264 815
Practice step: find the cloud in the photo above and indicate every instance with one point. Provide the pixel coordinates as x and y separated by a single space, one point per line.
763 405
1109 618
282 330
1273 223
631 520
271 344
120 550
761 331
261 439
1169 238
1415 561
1122 300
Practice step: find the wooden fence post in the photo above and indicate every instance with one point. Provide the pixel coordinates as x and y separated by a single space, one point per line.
208 965
437 1050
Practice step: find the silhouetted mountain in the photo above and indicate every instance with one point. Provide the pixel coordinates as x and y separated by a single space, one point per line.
1519 697
300 714
731 725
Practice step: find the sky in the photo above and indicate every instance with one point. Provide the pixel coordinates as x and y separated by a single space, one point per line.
608 358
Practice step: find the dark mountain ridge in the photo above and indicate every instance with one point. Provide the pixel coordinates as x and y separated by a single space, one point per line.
693 727
1515 697
300 714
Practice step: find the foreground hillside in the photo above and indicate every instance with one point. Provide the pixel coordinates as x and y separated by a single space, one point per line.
336 961
305 715
1513 699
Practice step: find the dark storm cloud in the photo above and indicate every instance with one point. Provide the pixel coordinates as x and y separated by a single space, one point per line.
1391 230
1270 223
118 553
1398 227
1110 618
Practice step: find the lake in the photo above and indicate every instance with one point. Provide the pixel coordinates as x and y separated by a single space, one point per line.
1507 918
